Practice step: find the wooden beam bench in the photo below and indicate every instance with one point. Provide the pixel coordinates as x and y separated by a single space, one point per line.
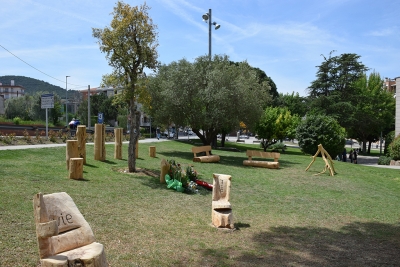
205 156
259 163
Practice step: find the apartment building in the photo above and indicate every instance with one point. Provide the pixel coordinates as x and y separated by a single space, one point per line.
11 90
8 91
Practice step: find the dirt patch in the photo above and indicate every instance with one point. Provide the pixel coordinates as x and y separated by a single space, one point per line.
139 172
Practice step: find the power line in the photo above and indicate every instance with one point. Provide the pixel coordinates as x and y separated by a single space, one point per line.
77 86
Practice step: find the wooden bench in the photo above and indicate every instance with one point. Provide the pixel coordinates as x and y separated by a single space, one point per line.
261 154
206 157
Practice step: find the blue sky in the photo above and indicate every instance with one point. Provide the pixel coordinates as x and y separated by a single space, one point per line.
283 38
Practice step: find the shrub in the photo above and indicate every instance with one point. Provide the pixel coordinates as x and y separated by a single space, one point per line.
318 129
27 137
388 140
394 148
384 160
17 120
278 147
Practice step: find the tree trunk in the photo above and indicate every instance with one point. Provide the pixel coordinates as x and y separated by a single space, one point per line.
364 146
133 135
223 136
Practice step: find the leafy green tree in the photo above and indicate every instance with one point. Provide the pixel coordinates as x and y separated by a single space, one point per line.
56 113
374 110
130 45
275 124
207 95
21 107
318 129
333 90
337 75
294 102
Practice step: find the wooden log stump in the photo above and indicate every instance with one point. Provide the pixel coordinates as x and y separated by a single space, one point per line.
152 151
76 168
118 143
71 151
164 170
99 142
81 137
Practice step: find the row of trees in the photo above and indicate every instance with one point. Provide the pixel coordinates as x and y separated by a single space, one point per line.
343 91
217 95
28 108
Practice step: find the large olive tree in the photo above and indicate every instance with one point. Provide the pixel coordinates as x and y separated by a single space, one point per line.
130 45
209 96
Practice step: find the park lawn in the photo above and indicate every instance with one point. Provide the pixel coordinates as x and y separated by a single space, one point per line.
284 217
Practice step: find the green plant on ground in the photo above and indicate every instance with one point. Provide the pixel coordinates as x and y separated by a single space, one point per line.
394 148
9 138
52 136
17 120
384 160
278 147
27 137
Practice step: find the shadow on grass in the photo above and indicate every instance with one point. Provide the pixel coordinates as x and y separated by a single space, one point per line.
240 225
109 162
356 244
90 165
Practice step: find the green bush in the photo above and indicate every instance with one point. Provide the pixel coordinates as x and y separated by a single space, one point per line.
318 129
394 148
388 140
384 160
278 147
17 120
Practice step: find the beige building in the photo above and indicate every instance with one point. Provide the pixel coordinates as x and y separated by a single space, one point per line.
8 91
11 90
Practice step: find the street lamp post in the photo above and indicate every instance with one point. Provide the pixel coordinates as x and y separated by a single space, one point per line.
207 17
66 99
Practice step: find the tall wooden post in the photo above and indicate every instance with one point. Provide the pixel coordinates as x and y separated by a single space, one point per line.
81 136
118 143
99 142
71 151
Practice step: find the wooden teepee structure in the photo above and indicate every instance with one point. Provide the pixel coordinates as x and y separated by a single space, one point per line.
327 158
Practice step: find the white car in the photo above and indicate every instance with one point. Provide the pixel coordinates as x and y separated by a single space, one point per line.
168 134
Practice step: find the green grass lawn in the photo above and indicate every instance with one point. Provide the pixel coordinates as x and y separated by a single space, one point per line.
284 217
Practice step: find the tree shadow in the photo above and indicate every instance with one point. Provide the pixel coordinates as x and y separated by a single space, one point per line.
356 244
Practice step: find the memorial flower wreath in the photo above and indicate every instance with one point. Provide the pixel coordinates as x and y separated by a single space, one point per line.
184 178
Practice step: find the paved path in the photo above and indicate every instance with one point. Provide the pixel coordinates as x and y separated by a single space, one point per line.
15 147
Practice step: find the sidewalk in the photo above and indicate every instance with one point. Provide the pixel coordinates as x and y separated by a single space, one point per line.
16 147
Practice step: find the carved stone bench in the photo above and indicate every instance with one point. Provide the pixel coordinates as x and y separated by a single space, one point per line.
259 163
206 154
64 237
221 207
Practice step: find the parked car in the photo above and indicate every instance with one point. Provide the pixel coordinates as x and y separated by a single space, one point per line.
168 134
244 137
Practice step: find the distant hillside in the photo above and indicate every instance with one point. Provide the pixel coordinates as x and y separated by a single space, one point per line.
33 85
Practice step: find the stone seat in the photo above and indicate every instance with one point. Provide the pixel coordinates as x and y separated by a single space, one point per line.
64 237
221 213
